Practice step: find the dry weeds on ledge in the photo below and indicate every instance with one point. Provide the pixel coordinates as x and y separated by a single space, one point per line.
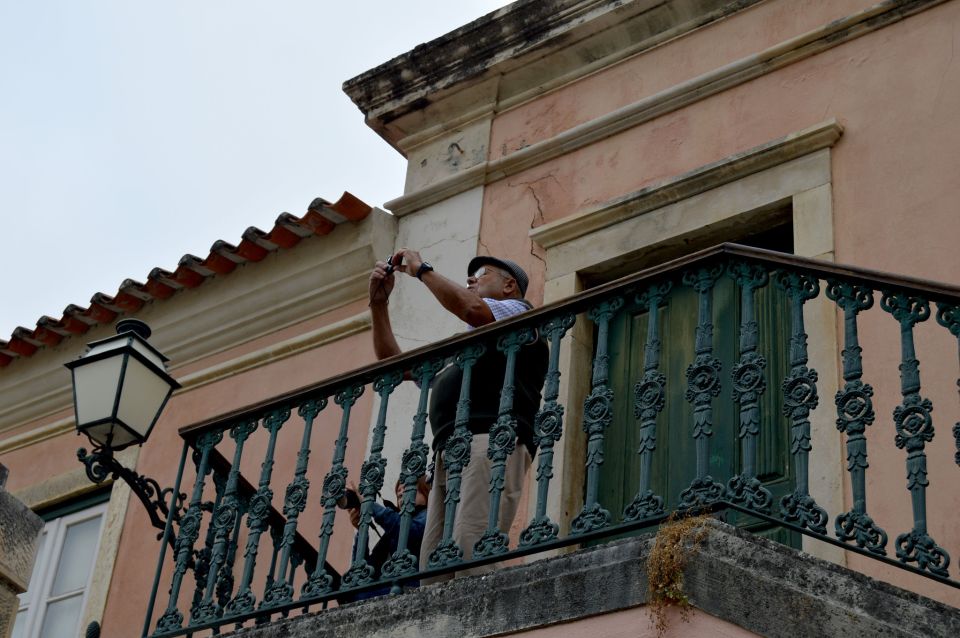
676 542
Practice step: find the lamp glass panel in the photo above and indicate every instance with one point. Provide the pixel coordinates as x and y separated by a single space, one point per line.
95 385
142 396
113 343
111 433
147 352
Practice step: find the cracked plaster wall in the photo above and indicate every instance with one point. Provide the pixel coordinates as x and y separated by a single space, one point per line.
445 234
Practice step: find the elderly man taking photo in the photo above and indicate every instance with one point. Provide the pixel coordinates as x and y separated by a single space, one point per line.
495 290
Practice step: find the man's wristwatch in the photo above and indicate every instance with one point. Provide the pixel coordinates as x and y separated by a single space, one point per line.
424 267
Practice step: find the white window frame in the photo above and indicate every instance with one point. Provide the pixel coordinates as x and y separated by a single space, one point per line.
34 601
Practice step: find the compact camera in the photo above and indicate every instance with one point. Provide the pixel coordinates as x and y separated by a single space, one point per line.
392 266
349 501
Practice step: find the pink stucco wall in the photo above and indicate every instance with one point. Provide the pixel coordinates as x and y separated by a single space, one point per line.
138 549
895 173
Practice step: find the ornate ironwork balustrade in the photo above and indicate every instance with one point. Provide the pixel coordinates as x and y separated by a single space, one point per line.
212 583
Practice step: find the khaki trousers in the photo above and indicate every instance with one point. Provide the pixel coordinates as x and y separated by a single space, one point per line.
474 507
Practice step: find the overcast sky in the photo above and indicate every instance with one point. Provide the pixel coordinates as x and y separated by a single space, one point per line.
134 132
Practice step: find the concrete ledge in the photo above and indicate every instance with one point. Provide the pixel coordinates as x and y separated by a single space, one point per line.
762 586
774 590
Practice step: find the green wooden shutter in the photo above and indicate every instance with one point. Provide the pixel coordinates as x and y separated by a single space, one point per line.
674 460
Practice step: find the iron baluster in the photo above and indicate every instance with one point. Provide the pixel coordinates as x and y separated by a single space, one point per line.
296 560
172 618
749 383
949 317
166 539
226 581
914 430
221 525
703 384
334 487
294 502
203 556
276 538
548 427
649 397
597 416
456 456
799 399
854 414
503 442
371 482
257 517
413 466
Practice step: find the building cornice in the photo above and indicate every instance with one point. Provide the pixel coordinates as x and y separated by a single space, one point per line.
514 37
676 97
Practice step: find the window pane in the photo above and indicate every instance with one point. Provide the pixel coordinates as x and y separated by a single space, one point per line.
76 557
62 618
19 625
27 597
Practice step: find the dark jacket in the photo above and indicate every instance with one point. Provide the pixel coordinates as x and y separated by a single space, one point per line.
389 520
486 382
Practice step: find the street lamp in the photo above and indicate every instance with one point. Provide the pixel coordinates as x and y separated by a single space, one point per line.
120 386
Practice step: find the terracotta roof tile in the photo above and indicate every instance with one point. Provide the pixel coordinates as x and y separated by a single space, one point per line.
321 218
134 289
19 347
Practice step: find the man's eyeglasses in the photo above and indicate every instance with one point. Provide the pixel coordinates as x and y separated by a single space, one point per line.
483 270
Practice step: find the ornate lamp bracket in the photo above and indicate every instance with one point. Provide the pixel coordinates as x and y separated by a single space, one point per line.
101 464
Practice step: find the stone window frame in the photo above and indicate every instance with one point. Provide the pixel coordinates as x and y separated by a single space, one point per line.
793 172
48 561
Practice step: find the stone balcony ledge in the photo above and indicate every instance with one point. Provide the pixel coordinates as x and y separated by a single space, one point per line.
761 586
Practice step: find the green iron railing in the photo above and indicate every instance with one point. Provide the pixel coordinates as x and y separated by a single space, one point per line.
230 587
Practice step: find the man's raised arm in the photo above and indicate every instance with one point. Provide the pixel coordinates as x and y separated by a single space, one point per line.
460 301
381 285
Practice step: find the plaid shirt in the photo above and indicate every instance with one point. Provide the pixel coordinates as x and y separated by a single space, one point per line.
501 309
504 308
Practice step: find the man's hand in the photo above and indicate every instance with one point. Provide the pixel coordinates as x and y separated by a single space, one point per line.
381 284
408 261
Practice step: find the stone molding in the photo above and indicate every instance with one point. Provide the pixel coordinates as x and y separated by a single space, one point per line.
699 180
319 275
676 97
38 434
519 36
440 190
269 354
278 351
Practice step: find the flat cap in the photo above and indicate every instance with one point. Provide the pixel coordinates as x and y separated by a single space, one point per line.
511 267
